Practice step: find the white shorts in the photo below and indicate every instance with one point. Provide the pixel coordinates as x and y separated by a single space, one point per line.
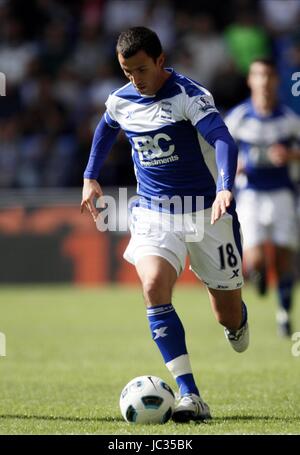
216 259
268 216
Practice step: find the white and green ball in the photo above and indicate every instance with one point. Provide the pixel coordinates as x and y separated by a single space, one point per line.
147 399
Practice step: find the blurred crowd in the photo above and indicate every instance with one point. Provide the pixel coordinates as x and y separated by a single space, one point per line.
59 61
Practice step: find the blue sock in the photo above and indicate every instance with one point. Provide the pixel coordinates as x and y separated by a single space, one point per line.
284 289
168 333
244 315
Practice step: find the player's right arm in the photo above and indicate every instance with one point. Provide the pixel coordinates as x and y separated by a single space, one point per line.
104 137
91 190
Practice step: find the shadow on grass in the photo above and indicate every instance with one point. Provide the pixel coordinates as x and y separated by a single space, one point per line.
61 418
250 418
215 420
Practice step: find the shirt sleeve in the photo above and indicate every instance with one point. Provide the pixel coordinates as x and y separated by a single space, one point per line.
198 104
215 132
103 140
111 109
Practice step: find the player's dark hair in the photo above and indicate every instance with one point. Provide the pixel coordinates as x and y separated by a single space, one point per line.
268 61
137 39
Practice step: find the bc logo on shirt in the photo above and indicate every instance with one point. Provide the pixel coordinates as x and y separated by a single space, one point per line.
150 148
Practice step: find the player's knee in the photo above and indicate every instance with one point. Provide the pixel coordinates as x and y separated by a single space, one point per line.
156 291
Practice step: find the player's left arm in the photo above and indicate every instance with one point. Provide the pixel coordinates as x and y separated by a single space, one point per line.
215 132
201 111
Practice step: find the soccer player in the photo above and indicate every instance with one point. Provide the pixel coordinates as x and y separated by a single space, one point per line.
180 147
266 131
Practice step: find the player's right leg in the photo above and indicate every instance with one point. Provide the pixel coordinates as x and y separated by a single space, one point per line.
158 278
159 257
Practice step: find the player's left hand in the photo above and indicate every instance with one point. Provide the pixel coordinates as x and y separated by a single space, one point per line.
222 201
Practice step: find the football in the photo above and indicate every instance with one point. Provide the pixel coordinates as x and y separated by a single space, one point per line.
147 399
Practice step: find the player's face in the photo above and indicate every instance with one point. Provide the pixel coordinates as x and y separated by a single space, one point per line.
143 72
262 80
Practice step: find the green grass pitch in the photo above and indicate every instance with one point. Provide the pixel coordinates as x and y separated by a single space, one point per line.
70 351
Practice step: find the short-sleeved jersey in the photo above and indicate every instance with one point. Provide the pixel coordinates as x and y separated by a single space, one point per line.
254 134
170 156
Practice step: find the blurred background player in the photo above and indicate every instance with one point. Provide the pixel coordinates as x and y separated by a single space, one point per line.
180 147
267 133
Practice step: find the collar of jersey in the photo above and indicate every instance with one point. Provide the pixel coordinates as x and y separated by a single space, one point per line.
162 88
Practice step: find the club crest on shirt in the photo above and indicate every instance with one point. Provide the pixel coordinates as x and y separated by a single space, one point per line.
166 110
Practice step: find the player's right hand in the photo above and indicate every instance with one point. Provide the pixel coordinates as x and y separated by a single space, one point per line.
91 189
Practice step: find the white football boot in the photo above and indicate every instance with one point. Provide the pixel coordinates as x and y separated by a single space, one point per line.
239 339
190 407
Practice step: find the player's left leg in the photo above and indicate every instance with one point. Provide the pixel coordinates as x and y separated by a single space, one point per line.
284 270
231 312
217 261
